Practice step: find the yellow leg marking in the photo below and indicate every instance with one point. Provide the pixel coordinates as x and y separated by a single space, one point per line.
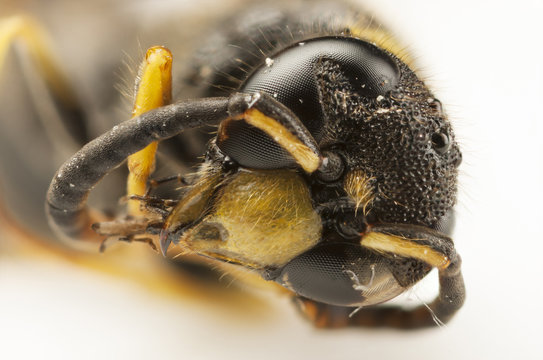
303 155
26 30
154 90
404 247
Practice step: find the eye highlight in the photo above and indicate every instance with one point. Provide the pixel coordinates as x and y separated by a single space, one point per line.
441 142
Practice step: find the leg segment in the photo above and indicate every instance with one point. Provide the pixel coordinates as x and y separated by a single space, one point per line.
153 183
411 241
25 29
41 119
155 205
38 47
154 90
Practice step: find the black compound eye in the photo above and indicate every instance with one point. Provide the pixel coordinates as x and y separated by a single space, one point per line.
290 77
441 142
344 274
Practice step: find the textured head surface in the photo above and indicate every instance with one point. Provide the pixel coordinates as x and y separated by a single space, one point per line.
402 141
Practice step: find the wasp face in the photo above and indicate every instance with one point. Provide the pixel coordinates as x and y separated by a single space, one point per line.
397 160
401 163
399 148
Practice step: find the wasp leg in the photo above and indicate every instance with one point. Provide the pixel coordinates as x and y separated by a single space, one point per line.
34 139
74 180
177 215
129 239
155 205
408 241
129 227
287 137
411 241
154 90
154 183
127 230
62 116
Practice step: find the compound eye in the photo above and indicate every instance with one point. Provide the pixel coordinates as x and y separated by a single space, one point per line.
343 274
252 148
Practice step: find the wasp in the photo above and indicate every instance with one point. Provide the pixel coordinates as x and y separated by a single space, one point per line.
332 171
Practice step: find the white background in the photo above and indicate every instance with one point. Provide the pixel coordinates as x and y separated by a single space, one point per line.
484 61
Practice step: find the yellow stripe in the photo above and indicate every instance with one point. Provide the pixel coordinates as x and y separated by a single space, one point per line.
404 247
303 155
